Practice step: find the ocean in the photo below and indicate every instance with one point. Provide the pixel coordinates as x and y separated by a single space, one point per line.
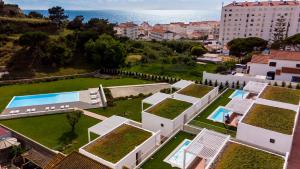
138 16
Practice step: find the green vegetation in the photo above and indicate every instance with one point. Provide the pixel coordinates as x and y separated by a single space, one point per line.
114 146
133 58
169 108
8 92
174 70
202 121
53 131
268 117
19 19
130 109
157 160
241 46
281 94
239 156
196 90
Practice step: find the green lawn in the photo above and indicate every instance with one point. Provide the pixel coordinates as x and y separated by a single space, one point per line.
169 108
156 161
8 92
272 118
196 90
117 144
238 156
174 70
127 108
202 121
53 131
281 94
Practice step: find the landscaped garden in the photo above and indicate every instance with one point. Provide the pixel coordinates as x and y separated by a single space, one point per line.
239 156
169 108
53 131
281 94
195 90
157 160
117 144
202 121
8 92
129 108
271 118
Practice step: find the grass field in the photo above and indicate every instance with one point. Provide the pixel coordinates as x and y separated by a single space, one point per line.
281 94
117 144
53 131
169 108
30 20
174 70
130 109
202 121
239 156
156 161
272 118
196 90
8 92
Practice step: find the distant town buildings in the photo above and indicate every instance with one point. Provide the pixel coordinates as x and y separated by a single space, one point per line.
9 9
173 31
258 19
276 65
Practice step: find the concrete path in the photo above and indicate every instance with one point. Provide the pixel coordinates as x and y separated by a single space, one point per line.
123 91
93 115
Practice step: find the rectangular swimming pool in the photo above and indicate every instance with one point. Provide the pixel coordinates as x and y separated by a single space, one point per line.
176 157
219 114
43 99
239 94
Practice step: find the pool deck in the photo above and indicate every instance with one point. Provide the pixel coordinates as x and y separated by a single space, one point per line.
85 102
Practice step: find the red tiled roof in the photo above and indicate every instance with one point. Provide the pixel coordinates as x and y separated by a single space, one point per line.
261 59
263 3
290 70
276 55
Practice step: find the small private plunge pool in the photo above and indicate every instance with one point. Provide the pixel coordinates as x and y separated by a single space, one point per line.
175 159
239 94
219 114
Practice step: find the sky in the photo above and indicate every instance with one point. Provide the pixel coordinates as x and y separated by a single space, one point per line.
205 5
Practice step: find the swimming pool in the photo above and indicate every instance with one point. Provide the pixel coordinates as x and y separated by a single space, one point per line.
239 94
176 157
43 99
219 114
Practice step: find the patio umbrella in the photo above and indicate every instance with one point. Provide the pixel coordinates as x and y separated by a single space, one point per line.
8 142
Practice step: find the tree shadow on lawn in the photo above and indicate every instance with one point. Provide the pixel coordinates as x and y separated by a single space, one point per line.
66 140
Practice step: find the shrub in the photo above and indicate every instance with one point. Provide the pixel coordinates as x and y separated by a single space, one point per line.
227 84
290 85
205 82
298 86
216 83
210 83
283 84
232 85
275 84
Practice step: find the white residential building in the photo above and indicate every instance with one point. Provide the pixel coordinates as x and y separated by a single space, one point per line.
258 19
276 65
160 34
128 29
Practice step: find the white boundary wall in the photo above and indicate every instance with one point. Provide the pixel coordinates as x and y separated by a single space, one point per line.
231 78
130 159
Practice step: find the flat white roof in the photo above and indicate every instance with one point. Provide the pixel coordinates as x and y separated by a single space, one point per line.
239 106
182 84
207 144
107 125
255 87
156 98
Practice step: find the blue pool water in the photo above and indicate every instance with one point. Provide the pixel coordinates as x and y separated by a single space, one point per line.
219 114
177 158
239 94
43 99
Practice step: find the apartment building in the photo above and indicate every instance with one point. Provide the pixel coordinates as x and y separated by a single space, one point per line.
160 34
258 19
128 29
276 65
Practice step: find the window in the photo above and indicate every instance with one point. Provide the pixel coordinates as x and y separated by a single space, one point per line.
162 125
272 140
272 64
298 65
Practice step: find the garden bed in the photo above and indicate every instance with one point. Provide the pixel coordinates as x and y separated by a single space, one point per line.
195 90
281 94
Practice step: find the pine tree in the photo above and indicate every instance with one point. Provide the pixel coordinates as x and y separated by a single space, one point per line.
280 32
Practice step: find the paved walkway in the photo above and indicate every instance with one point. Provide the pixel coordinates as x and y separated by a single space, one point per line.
294 160
91 114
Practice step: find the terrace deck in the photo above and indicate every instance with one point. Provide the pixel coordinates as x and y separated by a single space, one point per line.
268 117
195 90
117 144
239 156
281 94
169 108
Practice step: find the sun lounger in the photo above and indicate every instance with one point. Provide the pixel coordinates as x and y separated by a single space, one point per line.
95 101
67 106
93 92
33 110
28 110
94 96
62 107
47 108
12 112
52 108
17 111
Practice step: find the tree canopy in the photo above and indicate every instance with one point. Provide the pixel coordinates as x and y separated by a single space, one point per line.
57 15
241 46
198 50
34 14
76 23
